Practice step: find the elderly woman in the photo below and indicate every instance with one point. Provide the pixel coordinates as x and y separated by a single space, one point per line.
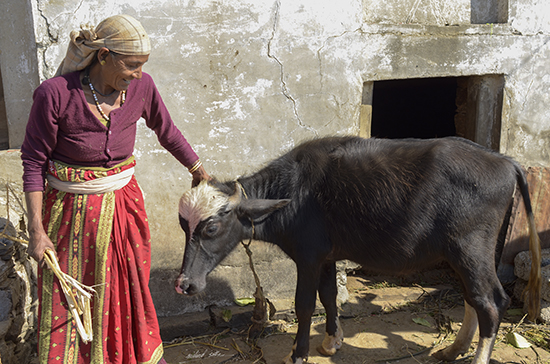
83 199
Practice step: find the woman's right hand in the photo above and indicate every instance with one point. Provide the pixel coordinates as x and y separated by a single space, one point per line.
39 242
38 239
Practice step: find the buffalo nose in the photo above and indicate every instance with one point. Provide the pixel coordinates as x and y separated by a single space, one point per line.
183 286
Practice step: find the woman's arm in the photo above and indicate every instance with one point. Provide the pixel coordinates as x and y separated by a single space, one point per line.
38 239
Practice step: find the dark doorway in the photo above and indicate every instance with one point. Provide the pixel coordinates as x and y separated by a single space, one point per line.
414 108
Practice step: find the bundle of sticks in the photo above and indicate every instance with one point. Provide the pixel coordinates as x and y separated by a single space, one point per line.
78 297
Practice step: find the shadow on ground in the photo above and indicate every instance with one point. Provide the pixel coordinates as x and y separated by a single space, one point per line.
386 320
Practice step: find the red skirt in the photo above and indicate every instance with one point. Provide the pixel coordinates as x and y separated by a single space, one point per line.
102 241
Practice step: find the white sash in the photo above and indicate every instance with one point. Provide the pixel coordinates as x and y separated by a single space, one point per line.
95 186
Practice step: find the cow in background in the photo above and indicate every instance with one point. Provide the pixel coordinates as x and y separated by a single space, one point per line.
393 206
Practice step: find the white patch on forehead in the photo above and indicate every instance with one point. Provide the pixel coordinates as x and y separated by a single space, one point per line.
200 203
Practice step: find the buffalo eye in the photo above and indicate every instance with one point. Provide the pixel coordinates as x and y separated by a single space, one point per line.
210 230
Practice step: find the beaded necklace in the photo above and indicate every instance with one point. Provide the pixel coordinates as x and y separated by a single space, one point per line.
87 79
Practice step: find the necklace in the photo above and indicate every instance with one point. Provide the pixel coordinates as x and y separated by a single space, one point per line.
109 94
122 100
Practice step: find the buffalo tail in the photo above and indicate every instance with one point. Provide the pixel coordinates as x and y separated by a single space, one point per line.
533 288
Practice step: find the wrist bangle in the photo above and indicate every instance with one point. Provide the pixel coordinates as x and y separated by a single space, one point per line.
195 166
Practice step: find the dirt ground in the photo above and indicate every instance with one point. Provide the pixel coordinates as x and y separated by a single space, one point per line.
386 320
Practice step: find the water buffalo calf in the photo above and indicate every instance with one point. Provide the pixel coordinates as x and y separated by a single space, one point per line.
393 206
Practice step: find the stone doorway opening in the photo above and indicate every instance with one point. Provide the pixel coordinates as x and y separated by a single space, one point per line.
467 106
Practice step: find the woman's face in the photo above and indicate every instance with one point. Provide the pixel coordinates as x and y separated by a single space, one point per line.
120 70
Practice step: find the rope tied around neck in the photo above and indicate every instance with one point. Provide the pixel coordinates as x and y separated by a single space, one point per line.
260 314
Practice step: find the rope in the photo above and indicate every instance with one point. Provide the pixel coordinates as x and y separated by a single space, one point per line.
249 253
260 314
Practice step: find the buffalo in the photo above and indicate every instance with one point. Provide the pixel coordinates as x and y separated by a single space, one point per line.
393 206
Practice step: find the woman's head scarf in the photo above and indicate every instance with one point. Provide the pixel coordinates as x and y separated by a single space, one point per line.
120 33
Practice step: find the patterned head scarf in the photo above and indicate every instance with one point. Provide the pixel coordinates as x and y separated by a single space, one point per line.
120 33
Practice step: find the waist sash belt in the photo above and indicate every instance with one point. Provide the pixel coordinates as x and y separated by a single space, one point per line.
95 186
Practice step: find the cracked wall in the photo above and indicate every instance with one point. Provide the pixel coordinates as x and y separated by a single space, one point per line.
245 80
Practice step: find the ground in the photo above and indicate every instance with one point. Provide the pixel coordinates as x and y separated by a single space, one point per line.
386 320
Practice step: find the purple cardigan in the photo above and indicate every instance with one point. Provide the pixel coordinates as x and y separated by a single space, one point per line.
62 127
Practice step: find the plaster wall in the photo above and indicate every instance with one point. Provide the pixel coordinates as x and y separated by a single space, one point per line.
18 67
245 80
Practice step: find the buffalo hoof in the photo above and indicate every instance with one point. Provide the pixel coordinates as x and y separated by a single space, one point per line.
331 344
288 360
446 354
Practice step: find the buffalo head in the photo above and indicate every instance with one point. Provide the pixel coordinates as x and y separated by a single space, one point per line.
214 223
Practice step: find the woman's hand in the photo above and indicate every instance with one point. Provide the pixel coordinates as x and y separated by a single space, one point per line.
199 175
38 239
38 243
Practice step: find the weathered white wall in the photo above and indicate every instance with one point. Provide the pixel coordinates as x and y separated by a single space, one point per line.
18 66
434 12
246 80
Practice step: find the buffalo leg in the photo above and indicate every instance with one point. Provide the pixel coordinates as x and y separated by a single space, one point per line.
484 293
306 294
489 313
327 294
490 301
463 338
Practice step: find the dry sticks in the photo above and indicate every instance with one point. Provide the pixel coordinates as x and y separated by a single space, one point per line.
78 297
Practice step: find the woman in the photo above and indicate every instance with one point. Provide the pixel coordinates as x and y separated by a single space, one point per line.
80 138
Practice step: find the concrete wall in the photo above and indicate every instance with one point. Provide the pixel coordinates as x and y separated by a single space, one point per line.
246 80
18 67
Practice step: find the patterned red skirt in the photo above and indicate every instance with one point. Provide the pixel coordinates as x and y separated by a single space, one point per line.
102 241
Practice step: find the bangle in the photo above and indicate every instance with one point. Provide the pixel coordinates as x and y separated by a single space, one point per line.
195 166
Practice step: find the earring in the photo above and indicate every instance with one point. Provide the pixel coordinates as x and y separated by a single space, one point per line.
102 62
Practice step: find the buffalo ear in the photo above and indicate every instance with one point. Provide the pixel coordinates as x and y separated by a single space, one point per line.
258 209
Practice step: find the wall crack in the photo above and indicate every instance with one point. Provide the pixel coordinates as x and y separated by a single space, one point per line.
52 38
42 46
284 87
